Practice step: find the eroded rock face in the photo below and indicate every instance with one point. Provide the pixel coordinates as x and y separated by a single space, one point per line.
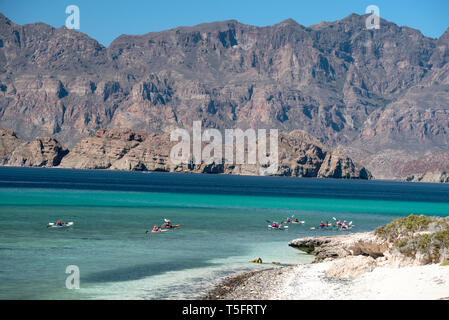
338 165
8 143
329 248
434 176
101 151
300 155
352 254
432 167
42 152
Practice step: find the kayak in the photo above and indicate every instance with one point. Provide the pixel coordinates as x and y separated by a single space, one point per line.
152 231
172 227
279 228
329 227
64 225
299 222
347 227
334 227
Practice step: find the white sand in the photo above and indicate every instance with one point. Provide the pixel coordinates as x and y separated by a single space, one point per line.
415 282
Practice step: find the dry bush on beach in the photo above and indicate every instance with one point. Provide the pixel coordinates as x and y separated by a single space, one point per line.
423 236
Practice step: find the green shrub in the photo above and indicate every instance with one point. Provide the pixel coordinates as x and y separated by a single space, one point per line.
404 226
402 232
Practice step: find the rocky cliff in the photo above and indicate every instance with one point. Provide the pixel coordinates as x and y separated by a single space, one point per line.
300 155
381 96
42 152
433 167
8 143
430 176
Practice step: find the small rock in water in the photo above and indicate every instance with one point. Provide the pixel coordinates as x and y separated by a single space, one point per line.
257 260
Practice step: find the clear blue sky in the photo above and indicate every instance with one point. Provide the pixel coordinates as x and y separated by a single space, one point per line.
105 20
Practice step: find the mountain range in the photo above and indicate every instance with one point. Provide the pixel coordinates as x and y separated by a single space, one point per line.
380 96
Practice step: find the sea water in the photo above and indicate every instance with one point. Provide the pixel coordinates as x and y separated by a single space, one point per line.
224 225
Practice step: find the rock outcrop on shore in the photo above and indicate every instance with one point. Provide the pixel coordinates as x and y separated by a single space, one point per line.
401 260
415 240
334 247
8 143
300 155
101 151
433 176
42 152
433 167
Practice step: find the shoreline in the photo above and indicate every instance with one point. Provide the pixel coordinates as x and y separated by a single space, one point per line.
429 282
230 284
358 266
220 174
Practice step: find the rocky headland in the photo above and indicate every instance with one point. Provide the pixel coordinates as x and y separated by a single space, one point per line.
300 155
415 240
433 176
406 259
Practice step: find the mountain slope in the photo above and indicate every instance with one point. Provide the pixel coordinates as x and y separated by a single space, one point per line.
368 92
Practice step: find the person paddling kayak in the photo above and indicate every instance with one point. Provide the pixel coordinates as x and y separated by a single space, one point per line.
275 225
168 224
295 220
155 228
60 223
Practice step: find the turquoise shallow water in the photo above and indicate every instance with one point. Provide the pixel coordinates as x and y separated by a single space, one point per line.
223 227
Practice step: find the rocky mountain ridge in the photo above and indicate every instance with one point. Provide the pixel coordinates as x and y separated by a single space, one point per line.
381 96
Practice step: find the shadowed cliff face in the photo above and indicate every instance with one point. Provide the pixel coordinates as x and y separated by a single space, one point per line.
369 92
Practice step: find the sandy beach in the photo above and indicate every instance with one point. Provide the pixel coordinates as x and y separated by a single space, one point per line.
309 282
385 264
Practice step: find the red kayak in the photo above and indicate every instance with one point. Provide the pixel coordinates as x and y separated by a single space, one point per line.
172 227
